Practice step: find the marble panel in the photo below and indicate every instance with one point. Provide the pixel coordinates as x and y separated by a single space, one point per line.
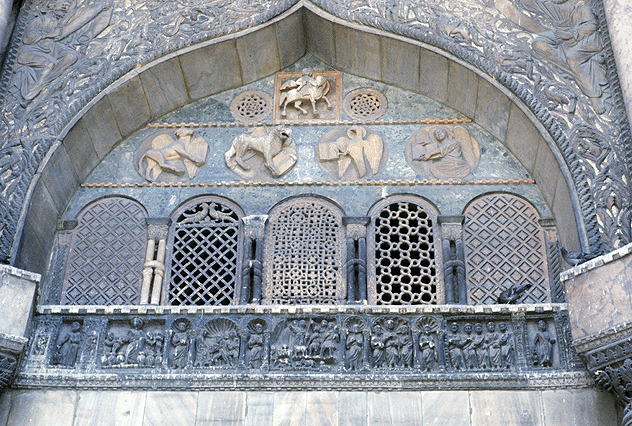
211 69
111 408
353 408
221 409
320 37
586 407
546 171
16 301
80 151
394 408
400 64
38 408
445 408
170 409
101 125
291 37
433 75
164 87
258 54
130 106
506 408
492 109
522 138
322 409
260 408
60 179
357 52
565 217
462 89
5 407
289 409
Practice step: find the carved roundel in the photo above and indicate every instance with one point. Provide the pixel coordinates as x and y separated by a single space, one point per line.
365 104
251 106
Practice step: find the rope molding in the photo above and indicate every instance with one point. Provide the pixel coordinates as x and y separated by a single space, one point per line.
310 123
397 182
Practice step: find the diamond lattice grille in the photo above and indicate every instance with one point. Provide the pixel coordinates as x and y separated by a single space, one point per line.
304 255
106 255
206 241
405 268
504 246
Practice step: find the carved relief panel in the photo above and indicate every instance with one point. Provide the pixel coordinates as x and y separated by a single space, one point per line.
351 152
308 95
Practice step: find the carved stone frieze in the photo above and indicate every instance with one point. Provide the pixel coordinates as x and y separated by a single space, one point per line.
443 152
365 104
260 153
251 106
171 156
351 153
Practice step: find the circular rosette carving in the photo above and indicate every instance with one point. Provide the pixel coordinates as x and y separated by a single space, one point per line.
365 104
350 152
445 152
251 106
171 156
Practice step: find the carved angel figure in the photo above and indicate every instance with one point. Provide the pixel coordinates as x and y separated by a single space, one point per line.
443 152
354 147
172 159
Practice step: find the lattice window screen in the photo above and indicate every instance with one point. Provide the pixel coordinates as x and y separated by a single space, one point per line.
403 263
504 246
303 254
206 247
106 254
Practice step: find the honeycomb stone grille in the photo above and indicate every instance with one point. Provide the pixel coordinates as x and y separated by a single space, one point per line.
251 106
206 248
365 104
304 246
504 247
404 261
106 254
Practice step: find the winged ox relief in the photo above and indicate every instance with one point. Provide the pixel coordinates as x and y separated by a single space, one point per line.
339 149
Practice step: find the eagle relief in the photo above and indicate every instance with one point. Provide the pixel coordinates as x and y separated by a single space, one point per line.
443 152
339 148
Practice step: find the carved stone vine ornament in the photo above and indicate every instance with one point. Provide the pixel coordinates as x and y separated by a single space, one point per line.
552 55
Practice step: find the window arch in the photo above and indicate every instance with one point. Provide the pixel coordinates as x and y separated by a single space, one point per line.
106 254
504 247
304 249
206 244
403 256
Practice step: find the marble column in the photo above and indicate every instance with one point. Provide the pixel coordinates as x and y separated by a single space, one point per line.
619 17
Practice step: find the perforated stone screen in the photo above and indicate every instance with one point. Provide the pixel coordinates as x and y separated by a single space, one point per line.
303 254
504 247
206 240
106 254
403 266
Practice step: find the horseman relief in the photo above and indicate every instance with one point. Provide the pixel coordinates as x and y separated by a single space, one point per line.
307 95
262 152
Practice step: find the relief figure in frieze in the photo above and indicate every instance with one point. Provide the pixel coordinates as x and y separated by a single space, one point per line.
428 349
543 342
455 343
482 352
303 89
67 349
255 346
181 342
469 347
506 346
354 345
492 341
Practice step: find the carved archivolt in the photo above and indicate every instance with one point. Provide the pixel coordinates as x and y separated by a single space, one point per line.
552 55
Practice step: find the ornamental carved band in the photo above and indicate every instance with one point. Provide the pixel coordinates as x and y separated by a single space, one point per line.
554 56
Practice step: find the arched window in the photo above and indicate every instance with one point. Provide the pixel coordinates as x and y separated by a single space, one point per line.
206 243
402 253
504 247
304 248
106 254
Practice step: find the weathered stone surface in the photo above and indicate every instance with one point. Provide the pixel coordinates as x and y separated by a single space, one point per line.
112 408
433 75
5 407
221 409
462 89
130 106
164 87
60 179
394 408
80 150
492 109
599 294
445 409
358 53
259 408
211 69
170 409
586 407
566 223
100 123
522 138
506 408
353 408
322 409
289 408
291 38
17 289
258 54
39 408
546 172
400 64
320 37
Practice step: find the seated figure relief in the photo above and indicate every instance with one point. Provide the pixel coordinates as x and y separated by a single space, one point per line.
171 157
443 152
260 152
